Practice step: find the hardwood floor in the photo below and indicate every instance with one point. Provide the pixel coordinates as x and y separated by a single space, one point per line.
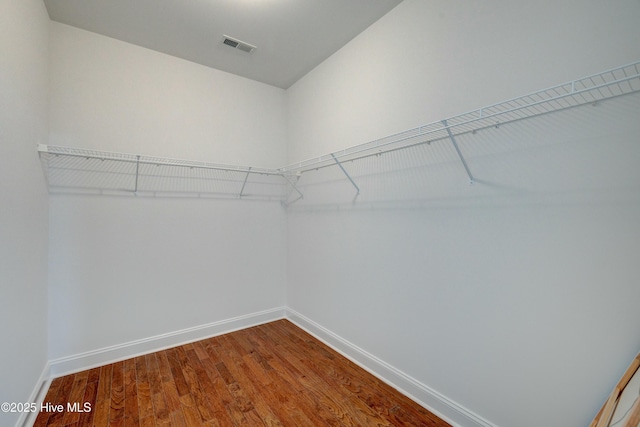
273 375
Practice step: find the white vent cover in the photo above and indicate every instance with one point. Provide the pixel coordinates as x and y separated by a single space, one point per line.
237 44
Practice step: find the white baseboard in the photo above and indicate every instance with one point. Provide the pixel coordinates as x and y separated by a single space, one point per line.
440 405
37 396
91 359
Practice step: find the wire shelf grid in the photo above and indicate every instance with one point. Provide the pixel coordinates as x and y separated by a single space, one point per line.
588 90
77 169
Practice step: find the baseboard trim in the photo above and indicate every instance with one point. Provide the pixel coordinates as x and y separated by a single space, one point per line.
437 403
37 396
91 359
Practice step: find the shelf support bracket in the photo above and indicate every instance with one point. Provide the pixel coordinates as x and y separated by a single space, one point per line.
135 190
244 184
292 184
347 174
460 156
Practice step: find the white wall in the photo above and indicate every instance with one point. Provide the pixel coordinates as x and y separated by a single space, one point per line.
515 297
124 269
428 60
23 199
111 95
503 297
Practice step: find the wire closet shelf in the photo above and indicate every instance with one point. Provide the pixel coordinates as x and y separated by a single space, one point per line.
75 169
78 170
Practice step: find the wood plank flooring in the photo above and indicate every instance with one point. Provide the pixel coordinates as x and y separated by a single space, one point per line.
269 375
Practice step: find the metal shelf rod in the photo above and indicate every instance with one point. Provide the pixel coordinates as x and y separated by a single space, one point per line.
244 183
293 187
347 174
455 145
137 170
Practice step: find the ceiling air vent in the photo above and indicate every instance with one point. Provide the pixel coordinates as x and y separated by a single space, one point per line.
237 44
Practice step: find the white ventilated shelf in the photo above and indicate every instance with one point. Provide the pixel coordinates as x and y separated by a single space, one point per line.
81 170
587 90
77 170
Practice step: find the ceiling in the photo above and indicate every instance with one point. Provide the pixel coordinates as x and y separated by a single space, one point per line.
292 36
